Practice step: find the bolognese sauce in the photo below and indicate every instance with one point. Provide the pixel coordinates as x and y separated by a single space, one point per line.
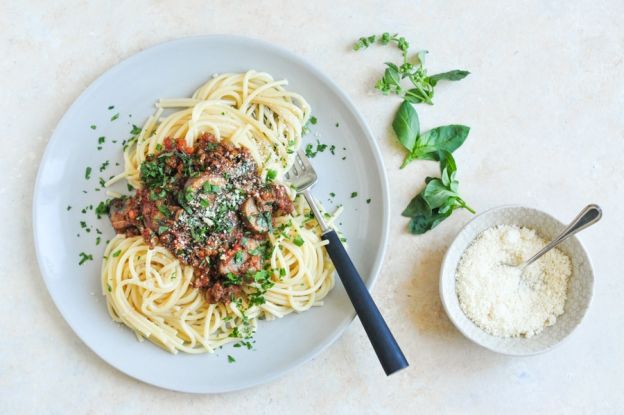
208 205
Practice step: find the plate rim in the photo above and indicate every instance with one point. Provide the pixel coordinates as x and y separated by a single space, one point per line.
346 101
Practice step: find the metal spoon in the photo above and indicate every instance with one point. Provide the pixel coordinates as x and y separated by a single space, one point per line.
588 216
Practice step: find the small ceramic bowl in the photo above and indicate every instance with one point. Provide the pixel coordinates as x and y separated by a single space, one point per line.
580 286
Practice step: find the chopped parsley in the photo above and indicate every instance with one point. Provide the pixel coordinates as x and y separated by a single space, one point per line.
84 258
68 207
93 127
271 175
354 194
102 209
104 165
311 151
162 229
110 107
332 194
298 240
231 359
101 139
88 173
116 253
135 130
337 125
313 120
114 117
368 201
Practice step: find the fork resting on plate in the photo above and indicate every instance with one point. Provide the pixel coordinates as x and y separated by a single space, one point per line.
302 176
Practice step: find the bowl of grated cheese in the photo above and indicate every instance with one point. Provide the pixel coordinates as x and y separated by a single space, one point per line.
500 308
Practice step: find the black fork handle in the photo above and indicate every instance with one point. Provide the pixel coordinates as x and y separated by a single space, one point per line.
386 347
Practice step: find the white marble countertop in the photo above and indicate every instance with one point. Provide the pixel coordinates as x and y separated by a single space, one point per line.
545 101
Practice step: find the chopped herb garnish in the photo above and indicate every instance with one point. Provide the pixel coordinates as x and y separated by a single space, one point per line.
231 359
114 117
298 240
93 127
368 201
164 210
353 194
110 107
97 240
332 194
88 173
135 130
104 165
68 207
162 229
313 120
116 253
337 125
101 139
102 209
271 175
84 258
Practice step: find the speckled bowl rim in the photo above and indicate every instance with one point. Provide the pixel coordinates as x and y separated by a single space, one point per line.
459 325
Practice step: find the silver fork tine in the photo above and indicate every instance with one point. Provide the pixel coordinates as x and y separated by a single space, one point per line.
305 163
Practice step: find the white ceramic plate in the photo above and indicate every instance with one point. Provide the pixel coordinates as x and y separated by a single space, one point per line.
176 69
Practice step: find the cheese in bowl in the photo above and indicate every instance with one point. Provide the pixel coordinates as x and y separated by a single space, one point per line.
501 299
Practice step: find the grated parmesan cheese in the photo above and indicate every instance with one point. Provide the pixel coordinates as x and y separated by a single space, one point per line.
496 297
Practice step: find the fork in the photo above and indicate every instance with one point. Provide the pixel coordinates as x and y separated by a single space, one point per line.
302 177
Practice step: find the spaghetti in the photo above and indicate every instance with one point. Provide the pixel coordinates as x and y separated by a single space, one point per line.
150 290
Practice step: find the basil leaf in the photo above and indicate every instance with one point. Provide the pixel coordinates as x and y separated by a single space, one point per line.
448 170
391 81
415 96
417 207
406 125
436 193
420 224
447 138
455 75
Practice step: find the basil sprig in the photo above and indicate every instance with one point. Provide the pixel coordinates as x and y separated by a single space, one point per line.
428 145
413 69
437 200
440 197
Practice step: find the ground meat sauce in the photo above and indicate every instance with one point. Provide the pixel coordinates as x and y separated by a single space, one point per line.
207 205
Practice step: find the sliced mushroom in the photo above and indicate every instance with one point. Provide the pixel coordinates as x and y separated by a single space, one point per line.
256 220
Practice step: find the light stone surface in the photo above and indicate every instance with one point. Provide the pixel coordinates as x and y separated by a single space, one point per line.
545 101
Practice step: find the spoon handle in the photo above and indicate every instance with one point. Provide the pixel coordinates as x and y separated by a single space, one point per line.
588 216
